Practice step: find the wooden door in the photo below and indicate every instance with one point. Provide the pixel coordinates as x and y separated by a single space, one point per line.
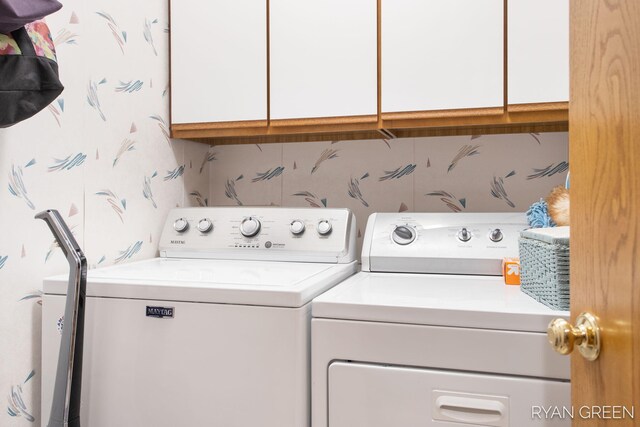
605 199
323 58
218 61
441 54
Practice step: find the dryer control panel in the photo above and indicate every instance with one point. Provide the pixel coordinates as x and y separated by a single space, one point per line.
260 233
441 243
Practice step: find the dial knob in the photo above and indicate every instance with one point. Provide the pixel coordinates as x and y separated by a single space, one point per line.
496 235
297 227
464 235
403 235
250 226
205 225
181 225
324 228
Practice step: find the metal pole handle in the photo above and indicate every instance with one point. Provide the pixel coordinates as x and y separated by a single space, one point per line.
65 408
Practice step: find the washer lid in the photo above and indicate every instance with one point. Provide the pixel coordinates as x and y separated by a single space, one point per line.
428 299
282 284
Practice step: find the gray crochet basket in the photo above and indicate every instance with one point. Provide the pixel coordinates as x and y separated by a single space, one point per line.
544 265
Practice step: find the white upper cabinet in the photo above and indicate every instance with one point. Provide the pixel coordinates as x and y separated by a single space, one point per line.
218 60
323 58
442 54
538 40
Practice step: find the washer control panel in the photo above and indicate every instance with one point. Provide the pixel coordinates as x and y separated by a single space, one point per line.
445 243
260 233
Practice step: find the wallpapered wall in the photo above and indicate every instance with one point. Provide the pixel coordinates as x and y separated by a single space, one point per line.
500 173
101 155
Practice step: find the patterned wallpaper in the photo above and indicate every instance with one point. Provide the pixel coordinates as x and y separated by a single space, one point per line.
101 155
500 173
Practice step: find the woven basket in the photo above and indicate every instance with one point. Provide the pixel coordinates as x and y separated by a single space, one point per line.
544 265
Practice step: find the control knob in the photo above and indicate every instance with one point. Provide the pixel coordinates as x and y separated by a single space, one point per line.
250 226
205 225
181 225
496 235
297 227
324 228
464 235
403 235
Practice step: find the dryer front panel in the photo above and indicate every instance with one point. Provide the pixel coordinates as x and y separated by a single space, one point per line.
382 396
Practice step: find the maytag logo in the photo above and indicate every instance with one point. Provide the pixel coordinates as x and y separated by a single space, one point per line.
177 242
159 312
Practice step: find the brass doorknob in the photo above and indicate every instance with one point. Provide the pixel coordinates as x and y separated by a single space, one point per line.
586 335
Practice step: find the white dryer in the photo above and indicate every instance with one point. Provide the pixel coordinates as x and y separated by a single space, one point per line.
214 332
428 334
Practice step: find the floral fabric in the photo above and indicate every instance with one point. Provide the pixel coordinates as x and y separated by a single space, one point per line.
40 36
8 45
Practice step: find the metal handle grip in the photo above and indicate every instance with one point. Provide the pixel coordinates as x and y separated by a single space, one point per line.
470 410
65 408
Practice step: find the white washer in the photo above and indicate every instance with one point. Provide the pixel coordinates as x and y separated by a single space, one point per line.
214 332
429 335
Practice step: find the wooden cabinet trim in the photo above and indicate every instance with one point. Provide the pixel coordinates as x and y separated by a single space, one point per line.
324 121
467 118
263 138
543 117
204 130
541 106
436 114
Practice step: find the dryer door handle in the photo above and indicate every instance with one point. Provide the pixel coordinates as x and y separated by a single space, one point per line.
471 409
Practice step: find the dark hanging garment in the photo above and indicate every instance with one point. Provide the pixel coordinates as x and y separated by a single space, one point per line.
28 73
15 14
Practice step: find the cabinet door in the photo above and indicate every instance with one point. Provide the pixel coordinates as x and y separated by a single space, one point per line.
442 54
323 58
538 53
218 60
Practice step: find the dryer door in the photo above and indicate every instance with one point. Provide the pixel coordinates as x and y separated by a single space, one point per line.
383 396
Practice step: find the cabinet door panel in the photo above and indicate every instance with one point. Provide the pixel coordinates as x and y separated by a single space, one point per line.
323 58
538 40
218 60
442 54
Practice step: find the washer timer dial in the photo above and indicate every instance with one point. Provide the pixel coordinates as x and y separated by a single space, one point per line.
250 226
